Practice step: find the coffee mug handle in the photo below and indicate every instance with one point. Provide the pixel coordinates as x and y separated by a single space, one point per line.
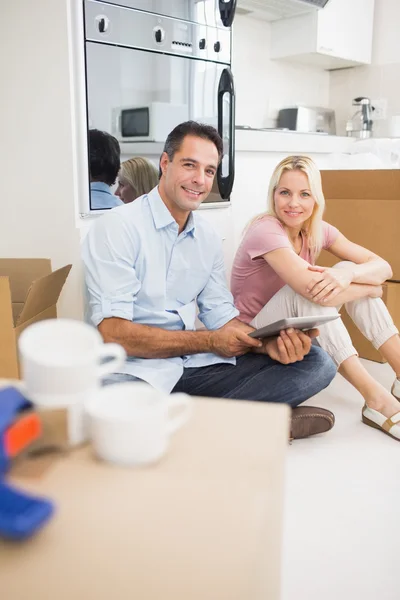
118 355
186 403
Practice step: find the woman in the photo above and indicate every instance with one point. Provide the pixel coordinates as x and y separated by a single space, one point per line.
273 278
136 177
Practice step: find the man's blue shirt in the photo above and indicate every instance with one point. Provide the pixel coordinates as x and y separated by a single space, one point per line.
139 268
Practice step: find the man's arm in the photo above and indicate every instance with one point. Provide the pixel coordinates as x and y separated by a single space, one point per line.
109 253
230 340
144 341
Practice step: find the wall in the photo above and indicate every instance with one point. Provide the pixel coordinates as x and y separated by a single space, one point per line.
263 86
381 79
39 201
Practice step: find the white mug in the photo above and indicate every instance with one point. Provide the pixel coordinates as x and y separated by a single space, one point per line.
129 422
61 368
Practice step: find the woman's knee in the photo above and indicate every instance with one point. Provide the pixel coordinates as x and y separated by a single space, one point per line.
307 307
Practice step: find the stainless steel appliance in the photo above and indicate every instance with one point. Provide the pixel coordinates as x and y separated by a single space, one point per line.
307 119
152 53
360 124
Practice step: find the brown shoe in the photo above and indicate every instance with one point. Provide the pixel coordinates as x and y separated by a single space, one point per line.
309 420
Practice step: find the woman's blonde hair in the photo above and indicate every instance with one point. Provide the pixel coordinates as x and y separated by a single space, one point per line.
140 174
312 228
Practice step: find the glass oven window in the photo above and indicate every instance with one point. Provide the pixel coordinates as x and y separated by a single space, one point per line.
135 80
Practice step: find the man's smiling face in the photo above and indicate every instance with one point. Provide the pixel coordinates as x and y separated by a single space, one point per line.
187 179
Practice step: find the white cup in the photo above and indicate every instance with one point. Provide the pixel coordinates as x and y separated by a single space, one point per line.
129 422
61 368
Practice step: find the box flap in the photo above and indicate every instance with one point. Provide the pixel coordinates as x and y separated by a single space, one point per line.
43 293
383 184
21 272
16 310
8 350
49 313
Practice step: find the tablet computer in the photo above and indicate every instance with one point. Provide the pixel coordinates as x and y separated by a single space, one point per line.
302 323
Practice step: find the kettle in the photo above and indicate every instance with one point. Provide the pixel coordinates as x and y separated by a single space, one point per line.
360 124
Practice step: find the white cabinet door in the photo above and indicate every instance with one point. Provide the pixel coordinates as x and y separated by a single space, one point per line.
340 35
345 29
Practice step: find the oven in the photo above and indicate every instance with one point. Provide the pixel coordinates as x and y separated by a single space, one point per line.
165 61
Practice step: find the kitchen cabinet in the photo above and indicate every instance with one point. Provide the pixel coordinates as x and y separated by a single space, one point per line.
340 35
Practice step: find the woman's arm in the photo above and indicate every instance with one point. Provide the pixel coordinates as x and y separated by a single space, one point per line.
295 272
369 268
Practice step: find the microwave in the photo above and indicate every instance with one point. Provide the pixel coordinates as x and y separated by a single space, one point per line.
147 123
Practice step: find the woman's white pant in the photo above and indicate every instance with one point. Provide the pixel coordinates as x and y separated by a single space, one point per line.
369 314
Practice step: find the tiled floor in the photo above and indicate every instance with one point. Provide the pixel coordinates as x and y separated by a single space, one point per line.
342 513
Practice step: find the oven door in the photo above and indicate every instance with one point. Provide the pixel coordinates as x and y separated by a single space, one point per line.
215 13
196 89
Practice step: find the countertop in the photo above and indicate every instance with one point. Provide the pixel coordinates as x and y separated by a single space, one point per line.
259 140
270 140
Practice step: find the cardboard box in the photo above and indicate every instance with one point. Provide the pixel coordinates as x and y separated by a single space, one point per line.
29 291
365 207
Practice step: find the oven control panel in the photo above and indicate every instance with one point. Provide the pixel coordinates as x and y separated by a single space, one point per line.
131 28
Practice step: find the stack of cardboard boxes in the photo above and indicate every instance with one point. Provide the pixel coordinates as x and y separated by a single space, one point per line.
365 207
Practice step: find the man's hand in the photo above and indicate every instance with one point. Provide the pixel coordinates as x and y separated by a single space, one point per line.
231 341
290 346
328 283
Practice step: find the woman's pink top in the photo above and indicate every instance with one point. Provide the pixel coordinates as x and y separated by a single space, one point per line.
253 281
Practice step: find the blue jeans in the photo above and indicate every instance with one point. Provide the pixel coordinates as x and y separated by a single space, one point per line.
256 377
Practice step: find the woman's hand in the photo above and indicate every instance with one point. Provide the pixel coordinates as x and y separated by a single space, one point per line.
328 283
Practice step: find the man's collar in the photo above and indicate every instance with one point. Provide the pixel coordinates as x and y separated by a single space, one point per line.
161 215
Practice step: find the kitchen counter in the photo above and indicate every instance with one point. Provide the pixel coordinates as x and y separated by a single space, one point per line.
386 151
258 140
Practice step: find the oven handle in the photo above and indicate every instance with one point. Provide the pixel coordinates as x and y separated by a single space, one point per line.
227 12
226 85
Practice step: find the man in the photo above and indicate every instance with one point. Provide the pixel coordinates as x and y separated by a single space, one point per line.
150 262
104 164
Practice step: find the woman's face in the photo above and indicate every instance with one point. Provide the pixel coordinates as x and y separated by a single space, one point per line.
294 203
125 191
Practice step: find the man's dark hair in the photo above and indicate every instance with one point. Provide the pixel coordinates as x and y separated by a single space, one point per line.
177 135
104 156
